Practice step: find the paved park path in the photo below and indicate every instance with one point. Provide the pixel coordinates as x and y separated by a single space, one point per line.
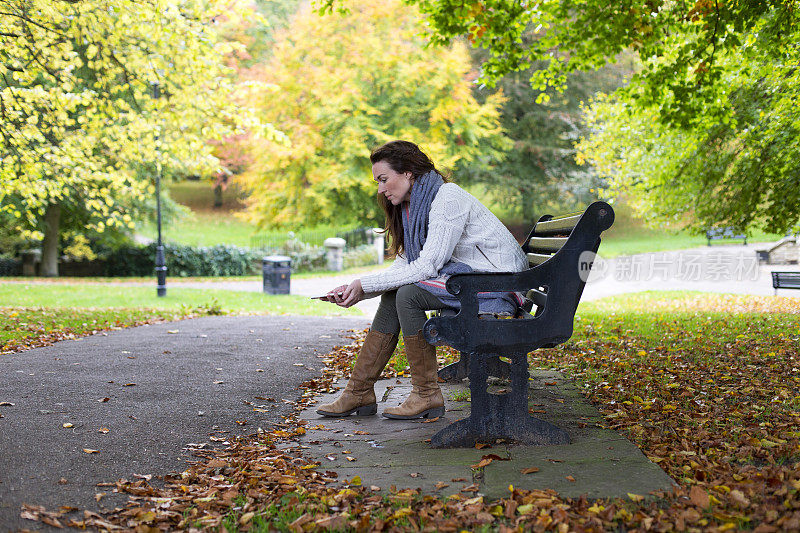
143 398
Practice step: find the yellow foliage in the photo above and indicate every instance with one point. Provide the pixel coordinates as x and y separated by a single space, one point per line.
349 83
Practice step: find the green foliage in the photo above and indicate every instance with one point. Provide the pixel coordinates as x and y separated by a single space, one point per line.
10 266
739 172
679 43
183 261
349 83
79 127
540 173
709 119
360 256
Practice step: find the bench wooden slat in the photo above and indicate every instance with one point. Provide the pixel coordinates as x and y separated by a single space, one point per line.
557 226
786 280
537 259
546 244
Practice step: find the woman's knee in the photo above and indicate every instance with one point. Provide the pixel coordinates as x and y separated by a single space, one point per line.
407 297
388 298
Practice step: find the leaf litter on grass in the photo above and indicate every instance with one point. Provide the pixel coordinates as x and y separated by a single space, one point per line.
23 328
719 413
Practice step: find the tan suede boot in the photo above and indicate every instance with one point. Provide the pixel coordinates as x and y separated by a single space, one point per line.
359 396
425 400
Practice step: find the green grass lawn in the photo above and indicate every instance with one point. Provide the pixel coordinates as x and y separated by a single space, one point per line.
671 318
98 295
202 228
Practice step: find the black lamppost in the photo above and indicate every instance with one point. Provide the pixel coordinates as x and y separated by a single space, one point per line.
161 265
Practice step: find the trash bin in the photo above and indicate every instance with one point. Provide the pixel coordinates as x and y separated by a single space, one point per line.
277 270
30 261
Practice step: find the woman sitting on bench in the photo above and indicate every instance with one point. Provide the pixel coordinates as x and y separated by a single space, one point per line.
437 229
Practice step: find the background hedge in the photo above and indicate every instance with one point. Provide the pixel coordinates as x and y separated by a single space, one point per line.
183 261
10 267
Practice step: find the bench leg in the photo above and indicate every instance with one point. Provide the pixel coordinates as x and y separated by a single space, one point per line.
496 416
456 372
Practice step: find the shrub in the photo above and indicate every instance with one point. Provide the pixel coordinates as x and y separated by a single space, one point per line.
183 261
219 260
360 256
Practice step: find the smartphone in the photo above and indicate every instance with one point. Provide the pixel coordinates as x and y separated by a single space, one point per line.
325 296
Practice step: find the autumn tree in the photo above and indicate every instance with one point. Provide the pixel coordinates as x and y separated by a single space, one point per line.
80 133
740 171
347 84
540 172
689 55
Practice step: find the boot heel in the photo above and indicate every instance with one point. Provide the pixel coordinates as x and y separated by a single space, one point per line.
433 413
367 410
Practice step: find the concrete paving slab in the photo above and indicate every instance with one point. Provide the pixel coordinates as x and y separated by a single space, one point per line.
387 453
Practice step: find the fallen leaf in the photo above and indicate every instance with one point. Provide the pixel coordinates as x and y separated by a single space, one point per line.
103 400
570 478
699 497
530 470
129 385
67 425
482 463
173 331
103 430
355 482
441 484
6 404
88 450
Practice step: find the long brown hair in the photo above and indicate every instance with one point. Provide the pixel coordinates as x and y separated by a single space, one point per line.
401 156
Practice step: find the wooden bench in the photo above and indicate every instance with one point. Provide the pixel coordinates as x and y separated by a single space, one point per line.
560 252
785 280
716 234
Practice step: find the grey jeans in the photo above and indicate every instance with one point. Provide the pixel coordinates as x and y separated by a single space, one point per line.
404 309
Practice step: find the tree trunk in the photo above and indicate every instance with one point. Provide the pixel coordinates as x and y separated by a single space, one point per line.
217 196
530 210
52 219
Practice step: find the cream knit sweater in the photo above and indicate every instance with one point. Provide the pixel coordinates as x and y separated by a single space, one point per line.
459 228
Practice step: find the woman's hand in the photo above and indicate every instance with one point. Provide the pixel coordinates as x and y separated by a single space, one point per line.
353 294
335 295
